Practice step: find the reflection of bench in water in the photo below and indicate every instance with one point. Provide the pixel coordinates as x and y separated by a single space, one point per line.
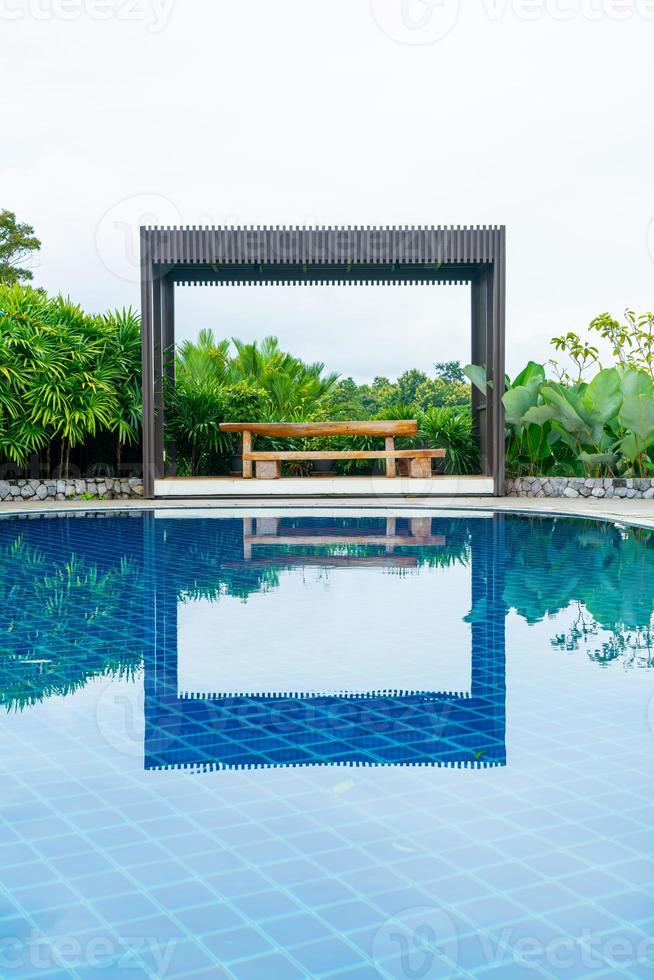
265 531
437 728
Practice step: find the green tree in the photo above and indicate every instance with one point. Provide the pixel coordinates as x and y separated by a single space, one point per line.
407 385
345 401
121 358
17 243
450 372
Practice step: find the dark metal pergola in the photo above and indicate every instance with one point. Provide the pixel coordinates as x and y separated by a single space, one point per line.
317 256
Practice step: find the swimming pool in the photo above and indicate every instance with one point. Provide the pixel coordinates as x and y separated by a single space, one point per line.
274 746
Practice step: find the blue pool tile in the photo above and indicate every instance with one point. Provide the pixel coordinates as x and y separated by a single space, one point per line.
491 911
290 930
267 967
159 873
266 905
126 908
187 959
51 895
581 918
209 918
545 897
325 955
236 944
594 882
321 892
349 916
183 894
634 906
235 883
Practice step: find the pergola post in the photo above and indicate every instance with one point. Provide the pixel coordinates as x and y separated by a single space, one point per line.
498 351
157 337
147 367
480 320
168 363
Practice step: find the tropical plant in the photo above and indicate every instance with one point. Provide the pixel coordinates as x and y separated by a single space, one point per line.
195 407
603 427
451 429
290 383
65 376
121 358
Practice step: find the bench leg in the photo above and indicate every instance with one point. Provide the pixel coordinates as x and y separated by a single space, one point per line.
248 525
247 448
420 468
420 527
390 533
390 461
268 469
268 525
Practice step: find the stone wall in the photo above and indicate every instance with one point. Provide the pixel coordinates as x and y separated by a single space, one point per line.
557 486
102 488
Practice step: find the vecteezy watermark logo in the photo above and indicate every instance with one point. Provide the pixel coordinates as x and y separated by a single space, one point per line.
117 234
155 14
416 944
120 719
415 21
37 953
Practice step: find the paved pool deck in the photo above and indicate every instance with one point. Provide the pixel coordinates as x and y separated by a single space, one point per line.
639 512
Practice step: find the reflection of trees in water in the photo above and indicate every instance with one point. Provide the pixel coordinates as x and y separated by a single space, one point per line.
67 616
64 622
605 572
635 647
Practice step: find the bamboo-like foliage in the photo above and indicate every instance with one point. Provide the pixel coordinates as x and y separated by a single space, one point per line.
65 375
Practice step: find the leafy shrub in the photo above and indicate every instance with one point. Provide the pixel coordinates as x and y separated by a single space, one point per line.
195 407
67 376
601 428
450 429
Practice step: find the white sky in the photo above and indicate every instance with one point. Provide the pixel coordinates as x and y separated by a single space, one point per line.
538 116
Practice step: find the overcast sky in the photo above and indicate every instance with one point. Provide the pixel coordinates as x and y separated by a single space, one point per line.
536 116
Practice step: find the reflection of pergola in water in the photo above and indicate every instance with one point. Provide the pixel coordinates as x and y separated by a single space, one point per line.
319 256
249 731
265 531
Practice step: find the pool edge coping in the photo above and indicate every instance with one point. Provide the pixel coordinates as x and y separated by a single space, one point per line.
621 511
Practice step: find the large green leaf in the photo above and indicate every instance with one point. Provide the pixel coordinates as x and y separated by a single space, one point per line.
517 401
567 417
636 383
630 447
637 416
602 398
533 373
477 375
540 414
596 459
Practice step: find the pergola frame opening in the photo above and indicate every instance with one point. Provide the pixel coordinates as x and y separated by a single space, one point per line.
323 256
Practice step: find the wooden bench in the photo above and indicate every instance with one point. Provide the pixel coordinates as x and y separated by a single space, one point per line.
268 463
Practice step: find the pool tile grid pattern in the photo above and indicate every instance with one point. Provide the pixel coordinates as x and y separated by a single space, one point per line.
305 873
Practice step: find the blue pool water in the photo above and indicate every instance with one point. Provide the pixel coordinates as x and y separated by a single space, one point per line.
281 746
